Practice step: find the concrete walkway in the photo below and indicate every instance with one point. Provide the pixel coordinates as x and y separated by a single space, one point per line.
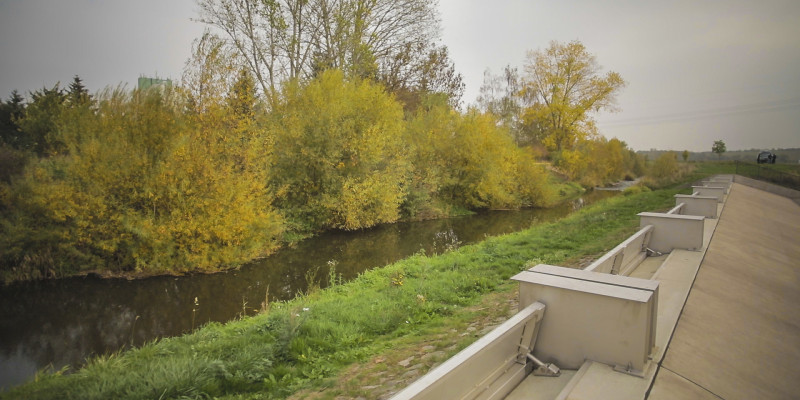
739 334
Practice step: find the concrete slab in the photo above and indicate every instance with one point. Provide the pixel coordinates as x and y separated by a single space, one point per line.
670 386
648 267
541 387
675 279
739 334
728 320
601 381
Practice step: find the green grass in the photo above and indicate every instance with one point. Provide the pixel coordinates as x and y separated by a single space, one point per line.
305 343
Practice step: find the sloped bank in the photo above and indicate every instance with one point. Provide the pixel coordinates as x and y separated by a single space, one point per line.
306 342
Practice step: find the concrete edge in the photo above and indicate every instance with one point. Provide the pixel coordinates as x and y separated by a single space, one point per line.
791 194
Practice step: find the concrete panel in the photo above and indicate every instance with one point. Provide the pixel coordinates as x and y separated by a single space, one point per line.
739 334
625 257
673 231
541 387
717 192
609 262
601 317
490 368
677 210
601 381
792 194
717 183
622 281
698 205
671 386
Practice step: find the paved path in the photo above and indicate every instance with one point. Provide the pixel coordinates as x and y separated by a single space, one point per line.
739 334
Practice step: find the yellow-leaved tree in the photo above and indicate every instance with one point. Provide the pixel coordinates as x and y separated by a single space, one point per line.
139 187
467 160
339 159
562 87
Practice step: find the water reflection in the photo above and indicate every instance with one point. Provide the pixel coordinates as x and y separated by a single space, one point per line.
60 323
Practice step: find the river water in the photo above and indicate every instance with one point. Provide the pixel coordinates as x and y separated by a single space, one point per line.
59 323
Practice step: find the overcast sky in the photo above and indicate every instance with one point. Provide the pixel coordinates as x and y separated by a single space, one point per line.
697 71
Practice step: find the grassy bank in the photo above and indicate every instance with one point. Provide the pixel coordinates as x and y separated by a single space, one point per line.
310 343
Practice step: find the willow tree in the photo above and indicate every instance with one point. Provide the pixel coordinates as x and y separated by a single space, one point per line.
562 87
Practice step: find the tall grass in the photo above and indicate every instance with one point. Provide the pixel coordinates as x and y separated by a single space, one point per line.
305 342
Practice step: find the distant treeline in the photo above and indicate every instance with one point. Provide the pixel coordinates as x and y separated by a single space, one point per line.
785 156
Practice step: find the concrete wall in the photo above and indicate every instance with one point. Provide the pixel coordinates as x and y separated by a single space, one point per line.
606 318
672 231
625 257
769 187
718 192
490 368
717 182
698 205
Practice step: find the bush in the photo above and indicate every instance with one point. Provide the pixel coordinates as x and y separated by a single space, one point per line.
468 161
138 187
341 162
596 162
665 167
635 189
666 170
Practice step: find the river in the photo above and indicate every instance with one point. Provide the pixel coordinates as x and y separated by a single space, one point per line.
62 322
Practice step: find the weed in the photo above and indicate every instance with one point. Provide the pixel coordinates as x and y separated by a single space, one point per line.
194 311
397 279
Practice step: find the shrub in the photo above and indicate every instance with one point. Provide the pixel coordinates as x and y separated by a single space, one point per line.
341 162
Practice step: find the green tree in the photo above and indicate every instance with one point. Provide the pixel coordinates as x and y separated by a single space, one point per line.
38 125
10 113
562 87
719 148
685 155
78 95
242 98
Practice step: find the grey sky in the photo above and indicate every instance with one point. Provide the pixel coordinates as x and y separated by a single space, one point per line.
697 71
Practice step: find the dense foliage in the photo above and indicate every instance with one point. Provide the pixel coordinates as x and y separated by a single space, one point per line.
268 139
136 185
550 107
164 181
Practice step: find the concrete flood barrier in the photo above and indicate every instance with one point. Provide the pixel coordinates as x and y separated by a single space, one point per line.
591 315
490 368
597 314
697 205
717 192
626 256
671 231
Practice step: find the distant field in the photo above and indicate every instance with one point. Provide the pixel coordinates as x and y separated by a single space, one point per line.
785 156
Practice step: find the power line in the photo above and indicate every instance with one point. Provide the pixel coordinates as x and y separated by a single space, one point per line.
753 108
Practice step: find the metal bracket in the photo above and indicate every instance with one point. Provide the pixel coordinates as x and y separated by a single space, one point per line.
653 253
543 369
629 370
